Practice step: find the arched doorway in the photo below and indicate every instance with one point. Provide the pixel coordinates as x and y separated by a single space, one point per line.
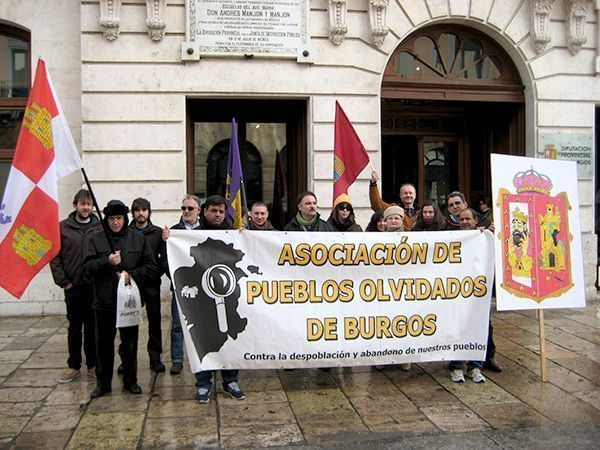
450 96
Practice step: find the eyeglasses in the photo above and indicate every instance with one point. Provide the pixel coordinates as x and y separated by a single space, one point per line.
188 208
345 207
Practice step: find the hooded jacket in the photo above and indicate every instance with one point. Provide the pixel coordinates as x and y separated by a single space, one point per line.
66 266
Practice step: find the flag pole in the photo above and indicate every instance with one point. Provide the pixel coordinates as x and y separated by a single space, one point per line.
542 346
106 233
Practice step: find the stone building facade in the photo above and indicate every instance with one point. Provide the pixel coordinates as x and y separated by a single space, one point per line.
141 106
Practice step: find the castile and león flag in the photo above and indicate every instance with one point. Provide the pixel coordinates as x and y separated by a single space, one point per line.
29 222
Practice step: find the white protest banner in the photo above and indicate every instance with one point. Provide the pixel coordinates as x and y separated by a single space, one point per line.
255 299
539 263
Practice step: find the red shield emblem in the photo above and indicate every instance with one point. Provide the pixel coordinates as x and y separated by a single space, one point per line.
535 238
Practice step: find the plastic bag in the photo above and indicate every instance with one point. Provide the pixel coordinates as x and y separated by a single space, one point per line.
129 304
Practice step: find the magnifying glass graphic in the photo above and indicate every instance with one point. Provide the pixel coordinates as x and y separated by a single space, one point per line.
218 282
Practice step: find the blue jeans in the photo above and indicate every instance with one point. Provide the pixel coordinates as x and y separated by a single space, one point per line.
176 334
459 365
204 378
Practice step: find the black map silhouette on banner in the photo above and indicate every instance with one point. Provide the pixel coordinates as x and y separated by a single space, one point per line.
199 308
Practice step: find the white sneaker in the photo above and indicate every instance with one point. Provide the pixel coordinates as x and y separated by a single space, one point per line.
476 376
405 367
457 376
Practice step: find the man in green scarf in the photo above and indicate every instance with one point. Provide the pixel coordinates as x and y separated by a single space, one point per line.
307 218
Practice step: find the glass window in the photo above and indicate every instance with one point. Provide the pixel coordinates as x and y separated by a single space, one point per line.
15 80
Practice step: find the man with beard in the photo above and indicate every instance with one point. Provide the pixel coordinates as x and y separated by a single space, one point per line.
258 218
518 246
150 291
212 218
307 218
132 258
67 273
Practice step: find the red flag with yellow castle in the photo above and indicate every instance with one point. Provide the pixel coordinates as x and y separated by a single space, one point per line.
45 152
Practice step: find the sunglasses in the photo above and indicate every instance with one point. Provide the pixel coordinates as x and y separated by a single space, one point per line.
188 208
345 208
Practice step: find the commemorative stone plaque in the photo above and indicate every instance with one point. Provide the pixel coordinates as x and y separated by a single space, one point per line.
247 28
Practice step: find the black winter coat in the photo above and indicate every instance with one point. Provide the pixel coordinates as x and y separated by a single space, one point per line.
154 236
136 258
66 266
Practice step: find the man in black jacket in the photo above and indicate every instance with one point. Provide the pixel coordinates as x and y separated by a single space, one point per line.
67 273
132 258
307 218
150 291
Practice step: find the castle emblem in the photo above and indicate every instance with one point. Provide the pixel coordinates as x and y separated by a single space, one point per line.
39 123
535 238
30 245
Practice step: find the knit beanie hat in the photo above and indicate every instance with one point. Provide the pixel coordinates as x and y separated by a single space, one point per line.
342 198
393 210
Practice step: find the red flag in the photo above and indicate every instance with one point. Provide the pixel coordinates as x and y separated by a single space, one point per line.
350 156
29 226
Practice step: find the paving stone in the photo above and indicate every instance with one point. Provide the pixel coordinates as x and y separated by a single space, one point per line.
591 397
181 408
7 368
472 394
45 361
261 435
47 439
33 377
115 403
185 378
511 415
253 397
582 366
74 393
31 343
14 356
174 392
259 384
10 426
21 394
185 432
302 379
54 418
372 382
400 421
38 332
455 418
249 414
108 430
428 394
19 408
316 427
372 405
319 401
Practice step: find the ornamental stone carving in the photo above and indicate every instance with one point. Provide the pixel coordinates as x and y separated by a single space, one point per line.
540 23
338 10
576 15
377 21
109 18
155 21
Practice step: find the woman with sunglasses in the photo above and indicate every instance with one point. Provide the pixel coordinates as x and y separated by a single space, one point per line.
342 215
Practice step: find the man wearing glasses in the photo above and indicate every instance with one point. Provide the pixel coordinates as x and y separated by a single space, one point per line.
190 220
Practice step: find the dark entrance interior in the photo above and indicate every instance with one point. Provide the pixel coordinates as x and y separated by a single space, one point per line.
450 97
272 143
441 147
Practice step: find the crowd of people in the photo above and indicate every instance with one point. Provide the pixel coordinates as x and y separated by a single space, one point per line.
95 254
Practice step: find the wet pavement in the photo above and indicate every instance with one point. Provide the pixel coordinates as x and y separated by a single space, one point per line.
346 408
